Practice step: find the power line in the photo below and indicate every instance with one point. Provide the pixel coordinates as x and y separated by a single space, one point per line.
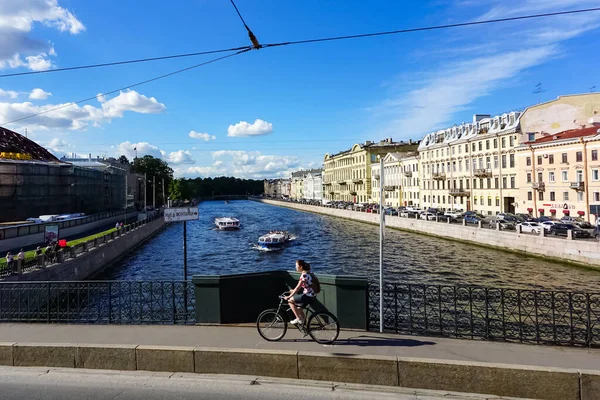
127 87
253 39
325 39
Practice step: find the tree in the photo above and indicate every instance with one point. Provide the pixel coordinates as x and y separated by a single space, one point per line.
123 160
156 170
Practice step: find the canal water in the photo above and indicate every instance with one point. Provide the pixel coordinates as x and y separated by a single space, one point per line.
336 246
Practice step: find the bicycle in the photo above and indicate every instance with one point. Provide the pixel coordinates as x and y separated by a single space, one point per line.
321 326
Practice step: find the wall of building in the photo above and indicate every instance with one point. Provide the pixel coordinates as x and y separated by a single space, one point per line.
91 263
576 251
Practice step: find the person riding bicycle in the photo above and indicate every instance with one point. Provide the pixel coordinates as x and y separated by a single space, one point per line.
303 294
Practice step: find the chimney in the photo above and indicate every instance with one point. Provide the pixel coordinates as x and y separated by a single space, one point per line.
90 157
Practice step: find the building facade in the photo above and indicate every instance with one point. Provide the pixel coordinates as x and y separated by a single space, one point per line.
392 180
347 175
559 168
471 166
409 185
313 186
277 188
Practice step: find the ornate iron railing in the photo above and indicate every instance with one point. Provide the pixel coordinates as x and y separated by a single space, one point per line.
98 302
516 315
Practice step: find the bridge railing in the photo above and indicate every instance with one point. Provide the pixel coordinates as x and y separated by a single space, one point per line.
514 315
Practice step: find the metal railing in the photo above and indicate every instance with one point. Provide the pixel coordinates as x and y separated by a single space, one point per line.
98 302
513 315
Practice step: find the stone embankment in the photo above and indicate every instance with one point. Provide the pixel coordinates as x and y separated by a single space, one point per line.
85 260
456 376
581 252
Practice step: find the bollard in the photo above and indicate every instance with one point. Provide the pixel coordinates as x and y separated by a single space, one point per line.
464 222
60 256
479 224
437 219
448 220
96 242
497 226
518 229
40 260
570 234
20 266
73 252
543 232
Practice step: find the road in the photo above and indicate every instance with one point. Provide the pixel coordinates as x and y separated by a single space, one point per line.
59 384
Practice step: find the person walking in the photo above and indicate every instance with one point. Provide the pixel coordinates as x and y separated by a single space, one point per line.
303 294
9 263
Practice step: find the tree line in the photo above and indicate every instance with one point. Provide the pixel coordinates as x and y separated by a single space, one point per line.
186 189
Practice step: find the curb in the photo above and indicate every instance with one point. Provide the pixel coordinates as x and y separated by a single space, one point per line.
456 376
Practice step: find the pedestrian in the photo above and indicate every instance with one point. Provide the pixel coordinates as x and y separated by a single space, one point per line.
117 226
21 255
121 226
38 251
9 263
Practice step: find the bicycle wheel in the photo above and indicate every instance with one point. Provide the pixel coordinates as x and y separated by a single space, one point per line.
271 325
323 327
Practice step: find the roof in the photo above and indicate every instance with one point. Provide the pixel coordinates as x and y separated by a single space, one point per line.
12 142
570 134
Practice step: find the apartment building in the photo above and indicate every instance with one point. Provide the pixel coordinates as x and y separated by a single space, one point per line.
297 185
313 185
347 174
277 188
471 166
559 169
392 180
409 185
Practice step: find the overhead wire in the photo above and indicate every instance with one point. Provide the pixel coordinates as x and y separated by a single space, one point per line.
304 41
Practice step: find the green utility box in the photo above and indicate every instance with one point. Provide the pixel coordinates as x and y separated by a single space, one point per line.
240 298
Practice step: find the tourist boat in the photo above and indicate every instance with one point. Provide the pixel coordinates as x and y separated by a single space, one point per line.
274 239
226 201
227 223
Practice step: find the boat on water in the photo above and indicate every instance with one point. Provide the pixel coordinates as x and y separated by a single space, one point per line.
227 223
226 201
274 239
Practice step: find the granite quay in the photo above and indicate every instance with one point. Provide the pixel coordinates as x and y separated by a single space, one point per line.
84 259
576 251
521 316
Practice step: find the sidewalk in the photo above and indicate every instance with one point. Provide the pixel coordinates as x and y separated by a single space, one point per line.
349 342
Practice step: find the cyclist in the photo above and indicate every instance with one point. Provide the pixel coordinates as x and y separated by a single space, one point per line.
303 293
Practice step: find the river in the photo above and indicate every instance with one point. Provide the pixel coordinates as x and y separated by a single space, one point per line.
336 246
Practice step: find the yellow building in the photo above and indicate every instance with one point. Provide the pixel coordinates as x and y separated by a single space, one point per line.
471 166
558 158
347 175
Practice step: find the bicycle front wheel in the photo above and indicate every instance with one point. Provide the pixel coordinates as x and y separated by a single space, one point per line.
323 327
271 325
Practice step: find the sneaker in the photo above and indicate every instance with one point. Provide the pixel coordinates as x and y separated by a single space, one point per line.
296 322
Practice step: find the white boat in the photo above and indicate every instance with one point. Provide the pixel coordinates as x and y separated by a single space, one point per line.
274 239
227 223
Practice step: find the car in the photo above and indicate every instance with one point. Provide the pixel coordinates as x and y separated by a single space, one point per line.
530 227
428 216
563 228
504 225
583 223
453 214
548 224
444 217
473 219
524 217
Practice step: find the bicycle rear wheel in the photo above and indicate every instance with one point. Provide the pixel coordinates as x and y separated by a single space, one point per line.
323 327
271 325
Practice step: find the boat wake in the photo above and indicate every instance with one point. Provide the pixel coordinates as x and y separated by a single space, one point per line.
265 249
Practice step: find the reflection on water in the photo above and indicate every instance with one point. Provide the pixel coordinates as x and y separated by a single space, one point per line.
337 246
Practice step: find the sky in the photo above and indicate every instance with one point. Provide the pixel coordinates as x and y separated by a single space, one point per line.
268 112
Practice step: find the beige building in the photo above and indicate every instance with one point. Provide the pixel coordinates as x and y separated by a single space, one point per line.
277 188
401 180
347 175
471 166
409 185
558 158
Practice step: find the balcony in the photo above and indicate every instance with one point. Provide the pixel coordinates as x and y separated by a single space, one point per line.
459 192
541 186
439 176
357 181
579 186
408 174
390 188
482 173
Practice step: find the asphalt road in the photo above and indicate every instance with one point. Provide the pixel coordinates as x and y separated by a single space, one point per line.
39 383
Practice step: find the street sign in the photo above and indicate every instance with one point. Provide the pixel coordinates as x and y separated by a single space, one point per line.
181 214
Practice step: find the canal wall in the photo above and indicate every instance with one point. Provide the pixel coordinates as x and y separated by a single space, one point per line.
12 243
582 252
90 263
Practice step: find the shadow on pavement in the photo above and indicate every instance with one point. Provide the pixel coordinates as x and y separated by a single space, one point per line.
379 341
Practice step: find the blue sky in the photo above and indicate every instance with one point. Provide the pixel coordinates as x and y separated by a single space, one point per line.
268 112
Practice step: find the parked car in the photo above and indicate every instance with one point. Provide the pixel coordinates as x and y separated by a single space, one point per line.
473 219
583 223
444 217
562 229
524 217
428 216
504 225
453 214
548 224
542 219
530 227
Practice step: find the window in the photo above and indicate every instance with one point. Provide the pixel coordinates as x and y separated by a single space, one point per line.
487 147
473 148
480 145
540 177
512 141
495 143
529 196
564 158
529 177
539 160
511 159
596 197
565 176
489 201
503 161
495 183
504 182
531 137
580 196
488 162
594 174
579 175
566 196
512 182
467 183
489 183
551 159
474 183
541 195
495 162
594 155
503 142
466 148
551 176
475 200
578 156
528 161
552 196
497 202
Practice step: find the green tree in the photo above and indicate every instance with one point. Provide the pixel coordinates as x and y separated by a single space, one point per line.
123 160
156 170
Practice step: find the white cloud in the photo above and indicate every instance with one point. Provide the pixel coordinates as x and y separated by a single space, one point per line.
179 157
57 143
39 94
57 146
201 136
143 149
244 129
9 93
437 95
77 117
244 164
18 18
